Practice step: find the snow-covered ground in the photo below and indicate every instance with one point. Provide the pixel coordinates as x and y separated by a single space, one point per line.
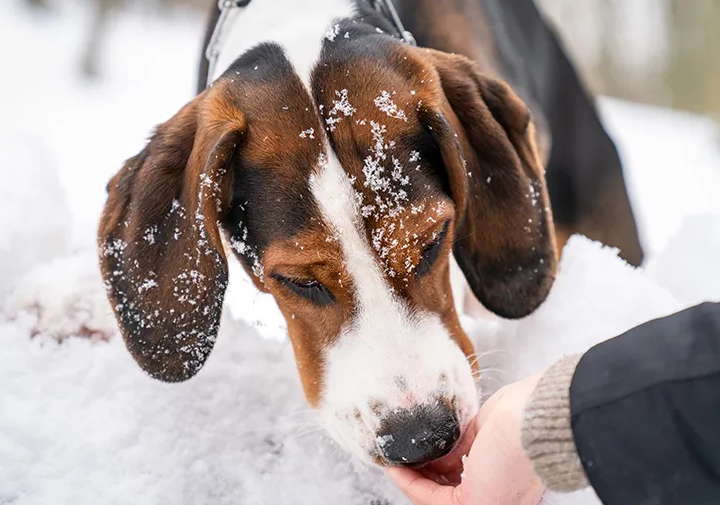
81 424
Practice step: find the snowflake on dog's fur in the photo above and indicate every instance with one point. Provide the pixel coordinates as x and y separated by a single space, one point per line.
239 245
332 32
533 194
385 103
138 292
340 106
386 201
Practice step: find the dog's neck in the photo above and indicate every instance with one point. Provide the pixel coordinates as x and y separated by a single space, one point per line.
299 27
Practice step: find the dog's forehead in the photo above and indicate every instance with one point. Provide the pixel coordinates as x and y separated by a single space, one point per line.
369 95
370 126
391 162
369 89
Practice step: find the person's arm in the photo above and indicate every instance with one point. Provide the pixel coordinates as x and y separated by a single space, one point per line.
637 415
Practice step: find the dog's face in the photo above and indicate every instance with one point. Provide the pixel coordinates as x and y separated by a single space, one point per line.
344 198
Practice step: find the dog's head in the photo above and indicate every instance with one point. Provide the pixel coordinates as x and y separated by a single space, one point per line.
343 198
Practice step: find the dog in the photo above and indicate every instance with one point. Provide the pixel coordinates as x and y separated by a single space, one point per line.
343 167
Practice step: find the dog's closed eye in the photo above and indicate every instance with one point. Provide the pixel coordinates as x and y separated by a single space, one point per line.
310 289
431 253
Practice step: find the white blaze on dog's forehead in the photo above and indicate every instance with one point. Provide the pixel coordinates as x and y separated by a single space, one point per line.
336 197
299 27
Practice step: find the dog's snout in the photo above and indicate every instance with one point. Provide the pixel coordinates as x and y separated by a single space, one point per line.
419 435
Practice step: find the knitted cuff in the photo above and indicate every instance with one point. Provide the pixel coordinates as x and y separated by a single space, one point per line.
547 435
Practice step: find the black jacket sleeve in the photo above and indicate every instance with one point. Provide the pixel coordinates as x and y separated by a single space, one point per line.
646 412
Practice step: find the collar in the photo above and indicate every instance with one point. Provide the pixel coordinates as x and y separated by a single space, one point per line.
384 7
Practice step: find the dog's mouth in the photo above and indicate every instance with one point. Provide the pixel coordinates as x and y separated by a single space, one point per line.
448 468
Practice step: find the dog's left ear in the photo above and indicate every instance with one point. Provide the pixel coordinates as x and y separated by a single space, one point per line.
505 239
161 252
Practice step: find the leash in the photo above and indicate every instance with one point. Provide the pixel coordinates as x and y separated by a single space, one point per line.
384 7
387 9
212 51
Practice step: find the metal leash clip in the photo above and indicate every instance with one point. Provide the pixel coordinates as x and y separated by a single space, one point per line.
213 51
387 8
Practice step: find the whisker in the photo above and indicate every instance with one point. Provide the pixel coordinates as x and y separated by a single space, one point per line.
489 352
488 370
476 357
300 434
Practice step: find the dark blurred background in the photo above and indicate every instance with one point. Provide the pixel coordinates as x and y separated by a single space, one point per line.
663 52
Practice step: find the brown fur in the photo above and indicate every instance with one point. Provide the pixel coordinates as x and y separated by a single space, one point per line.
311 255
510 40
154 284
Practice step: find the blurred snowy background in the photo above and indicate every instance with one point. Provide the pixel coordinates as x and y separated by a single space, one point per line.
83 83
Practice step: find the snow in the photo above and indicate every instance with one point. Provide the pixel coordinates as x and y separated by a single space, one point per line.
29 181
674 166
79 421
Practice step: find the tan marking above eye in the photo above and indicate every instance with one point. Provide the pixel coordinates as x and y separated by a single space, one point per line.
309 256
407 235
309 248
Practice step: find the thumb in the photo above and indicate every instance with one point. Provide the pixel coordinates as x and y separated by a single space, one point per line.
422 491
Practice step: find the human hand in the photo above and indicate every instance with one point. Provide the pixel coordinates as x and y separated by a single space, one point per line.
495 471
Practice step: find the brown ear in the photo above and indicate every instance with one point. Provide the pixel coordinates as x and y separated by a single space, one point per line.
505 240
160 249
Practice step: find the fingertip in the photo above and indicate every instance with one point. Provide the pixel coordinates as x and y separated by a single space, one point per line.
420 490
401 476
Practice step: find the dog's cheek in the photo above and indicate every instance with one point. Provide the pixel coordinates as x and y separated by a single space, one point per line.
309 358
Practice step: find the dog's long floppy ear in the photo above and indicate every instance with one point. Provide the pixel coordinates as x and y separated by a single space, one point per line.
505 240
160 249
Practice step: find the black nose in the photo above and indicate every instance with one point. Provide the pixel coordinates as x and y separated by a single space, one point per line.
419 435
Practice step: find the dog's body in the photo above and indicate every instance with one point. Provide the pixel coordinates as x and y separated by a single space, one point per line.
342 166
511 41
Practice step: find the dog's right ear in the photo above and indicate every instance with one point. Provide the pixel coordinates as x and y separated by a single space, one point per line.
160 248
504 238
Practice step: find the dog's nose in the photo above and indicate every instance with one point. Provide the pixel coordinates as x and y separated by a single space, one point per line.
419 435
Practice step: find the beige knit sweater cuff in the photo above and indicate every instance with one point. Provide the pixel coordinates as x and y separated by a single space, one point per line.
547 435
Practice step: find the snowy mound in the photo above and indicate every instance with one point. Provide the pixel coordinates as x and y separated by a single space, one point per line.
34 215
66 299
80 423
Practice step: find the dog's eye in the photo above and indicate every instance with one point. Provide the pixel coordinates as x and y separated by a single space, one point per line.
310 289
431 253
